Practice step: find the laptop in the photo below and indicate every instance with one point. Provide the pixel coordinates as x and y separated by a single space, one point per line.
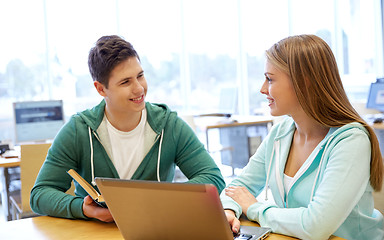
173 211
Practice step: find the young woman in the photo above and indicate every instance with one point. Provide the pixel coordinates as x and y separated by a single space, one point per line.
321 163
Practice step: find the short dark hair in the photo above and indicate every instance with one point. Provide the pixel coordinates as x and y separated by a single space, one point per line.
107 53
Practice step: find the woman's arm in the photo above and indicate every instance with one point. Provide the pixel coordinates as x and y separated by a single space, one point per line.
343 179
252 177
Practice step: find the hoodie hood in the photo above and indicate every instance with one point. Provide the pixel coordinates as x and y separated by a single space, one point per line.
156 117
287 126
283 138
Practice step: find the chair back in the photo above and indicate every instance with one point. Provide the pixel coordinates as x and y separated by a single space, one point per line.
32 158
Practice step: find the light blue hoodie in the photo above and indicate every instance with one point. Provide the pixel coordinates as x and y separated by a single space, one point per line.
330 194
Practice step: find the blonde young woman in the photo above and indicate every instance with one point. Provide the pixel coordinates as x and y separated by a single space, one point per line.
321 163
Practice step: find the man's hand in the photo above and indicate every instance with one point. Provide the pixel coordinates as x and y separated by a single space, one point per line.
93 210
242 196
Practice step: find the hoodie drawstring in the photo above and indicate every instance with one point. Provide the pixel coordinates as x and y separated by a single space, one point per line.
92 169
318 170
92 165
269 173
158 156
316 177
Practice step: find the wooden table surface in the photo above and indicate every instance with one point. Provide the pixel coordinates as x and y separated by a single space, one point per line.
58 228
9 162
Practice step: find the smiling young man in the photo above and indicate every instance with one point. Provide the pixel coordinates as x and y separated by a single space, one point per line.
122 137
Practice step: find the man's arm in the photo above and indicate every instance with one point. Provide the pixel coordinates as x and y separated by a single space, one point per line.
193 159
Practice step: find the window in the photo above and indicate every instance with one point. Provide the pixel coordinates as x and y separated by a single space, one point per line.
353 29
154 29
190 50
262 24
23 64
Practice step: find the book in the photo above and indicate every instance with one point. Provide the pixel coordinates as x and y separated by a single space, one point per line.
95 195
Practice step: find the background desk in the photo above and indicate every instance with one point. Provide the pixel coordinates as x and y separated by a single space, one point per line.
242 134
59 228
5 164
379 130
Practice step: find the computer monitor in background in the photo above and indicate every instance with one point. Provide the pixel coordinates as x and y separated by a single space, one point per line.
376 101
376 96
228 100
37 121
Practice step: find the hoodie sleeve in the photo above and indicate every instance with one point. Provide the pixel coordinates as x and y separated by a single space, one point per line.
193 159
253 177
344 176
48 195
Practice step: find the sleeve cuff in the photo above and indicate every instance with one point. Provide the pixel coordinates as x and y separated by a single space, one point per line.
77 208
229 203
256 210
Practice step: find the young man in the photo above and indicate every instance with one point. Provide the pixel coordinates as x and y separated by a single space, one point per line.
122 137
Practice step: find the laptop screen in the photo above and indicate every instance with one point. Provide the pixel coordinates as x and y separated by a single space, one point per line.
228 100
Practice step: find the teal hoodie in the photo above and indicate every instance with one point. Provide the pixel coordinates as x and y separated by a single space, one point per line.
77 146
330 193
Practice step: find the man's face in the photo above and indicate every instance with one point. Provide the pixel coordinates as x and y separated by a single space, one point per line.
127 88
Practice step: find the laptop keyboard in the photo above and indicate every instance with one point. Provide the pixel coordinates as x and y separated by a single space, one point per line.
241 236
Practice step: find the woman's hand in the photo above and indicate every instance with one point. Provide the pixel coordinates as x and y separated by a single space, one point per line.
232 220
242 196
93 210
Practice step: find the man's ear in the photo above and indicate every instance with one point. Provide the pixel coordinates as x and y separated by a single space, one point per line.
100 88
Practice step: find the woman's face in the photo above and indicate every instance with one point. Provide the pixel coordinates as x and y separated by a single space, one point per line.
279 91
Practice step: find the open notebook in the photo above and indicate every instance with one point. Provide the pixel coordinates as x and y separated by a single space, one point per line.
159 210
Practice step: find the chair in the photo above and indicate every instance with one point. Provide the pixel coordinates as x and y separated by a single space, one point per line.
32 157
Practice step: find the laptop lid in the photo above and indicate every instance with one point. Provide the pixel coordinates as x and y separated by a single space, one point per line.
160 210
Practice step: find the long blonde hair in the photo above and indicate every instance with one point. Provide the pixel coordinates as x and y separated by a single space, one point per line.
312 67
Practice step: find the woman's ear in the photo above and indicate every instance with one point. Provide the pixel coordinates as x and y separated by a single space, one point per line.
100 88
